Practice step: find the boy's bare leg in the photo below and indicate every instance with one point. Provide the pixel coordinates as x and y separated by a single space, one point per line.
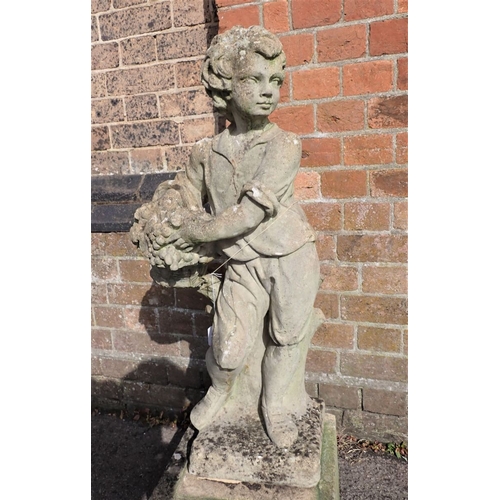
205 411
280 363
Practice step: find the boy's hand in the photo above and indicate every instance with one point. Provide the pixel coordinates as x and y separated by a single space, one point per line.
185 238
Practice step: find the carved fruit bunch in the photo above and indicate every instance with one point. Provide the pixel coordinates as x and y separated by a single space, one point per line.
156 221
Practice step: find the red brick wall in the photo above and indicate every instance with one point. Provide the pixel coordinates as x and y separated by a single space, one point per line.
346 96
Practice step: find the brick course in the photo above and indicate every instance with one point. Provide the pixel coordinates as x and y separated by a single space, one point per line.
312 13
299 49
242 16
387 402
138 50
344 184
146 160
141 107
389 37
276 16
372 366
316 83
368 77
100 138
341 116
342 43
139 135
360 9
360 216
135 21
368 149
317 152
338 396
377 339
159 77
345 95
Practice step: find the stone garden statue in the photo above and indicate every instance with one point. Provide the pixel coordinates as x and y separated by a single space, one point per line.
235 203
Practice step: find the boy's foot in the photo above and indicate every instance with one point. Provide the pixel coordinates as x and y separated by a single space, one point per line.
280 427
205 411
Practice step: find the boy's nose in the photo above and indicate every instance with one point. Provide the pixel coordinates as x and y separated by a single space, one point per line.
266 90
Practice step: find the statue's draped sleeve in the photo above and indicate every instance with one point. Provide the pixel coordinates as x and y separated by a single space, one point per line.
195 169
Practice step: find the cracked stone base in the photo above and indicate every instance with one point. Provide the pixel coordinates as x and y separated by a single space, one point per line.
326 486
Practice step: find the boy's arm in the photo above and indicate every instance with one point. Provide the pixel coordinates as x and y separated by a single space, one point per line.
276 174
232 222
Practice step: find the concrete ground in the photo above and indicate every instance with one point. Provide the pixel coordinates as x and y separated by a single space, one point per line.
129 459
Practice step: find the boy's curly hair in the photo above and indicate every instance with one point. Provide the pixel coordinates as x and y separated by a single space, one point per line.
217 71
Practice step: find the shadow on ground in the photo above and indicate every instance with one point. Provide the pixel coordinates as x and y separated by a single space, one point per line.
129 459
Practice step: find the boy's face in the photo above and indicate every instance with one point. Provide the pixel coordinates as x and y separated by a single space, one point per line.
256 85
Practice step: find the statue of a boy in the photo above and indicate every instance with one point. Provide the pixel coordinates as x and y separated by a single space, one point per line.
247 174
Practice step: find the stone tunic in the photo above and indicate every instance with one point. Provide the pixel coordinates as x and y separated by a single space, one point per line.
272 161
274 270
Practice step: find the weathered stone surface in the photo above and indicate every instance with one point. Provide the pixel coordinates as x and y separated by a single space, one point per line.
256 421
242 451
190 487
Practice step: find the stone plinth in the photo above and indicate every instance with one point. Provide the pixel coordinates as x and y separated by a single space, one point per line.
194 487
242 451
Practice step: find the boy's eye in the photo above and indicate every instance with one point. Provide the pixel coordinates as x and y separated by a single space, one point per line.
277 81
249 79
